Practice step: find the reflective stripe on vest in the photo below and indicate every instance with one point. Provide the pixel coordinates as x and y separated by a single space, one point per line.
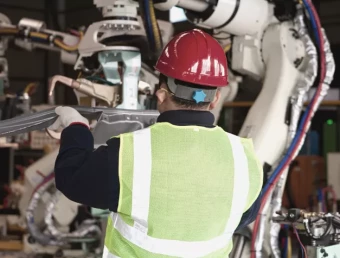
137 234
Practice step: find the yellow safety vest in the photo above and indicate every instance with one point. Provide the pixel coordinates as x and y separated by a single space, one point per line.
183 190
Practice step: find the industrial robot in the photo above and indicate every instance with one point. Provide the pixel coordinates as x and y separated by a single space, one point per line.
279 43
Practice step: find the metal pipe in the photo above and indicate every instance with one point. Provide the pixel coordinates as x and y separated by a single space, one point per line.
63 79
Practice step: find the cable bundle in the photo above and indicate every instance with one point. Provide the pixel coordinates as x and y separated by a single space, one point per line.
304 123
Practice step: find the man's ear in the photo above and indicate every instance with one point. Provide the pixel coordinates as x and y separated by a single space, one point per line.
216 99
161 96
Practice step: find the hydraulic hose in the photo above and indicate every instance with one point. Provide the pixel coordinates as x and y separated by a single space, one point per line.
155 27
147 12
40 37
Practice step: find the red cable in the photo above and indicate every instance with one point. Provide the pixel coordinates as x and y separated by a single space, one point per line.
298 238
322 77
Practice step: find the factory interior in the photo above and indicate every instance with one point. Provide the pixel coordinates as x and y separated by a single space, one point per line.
98 56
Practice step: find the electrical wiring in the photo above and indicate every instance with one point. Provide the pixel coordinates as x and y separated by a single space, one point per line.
8 31
155 27
63 46
97 78
227 48
307 115
147 20
303 124
39 35
303 249
76 32
30 88
321 200
311 17
66 47
41 38
289 248
302 129
151 25
285 248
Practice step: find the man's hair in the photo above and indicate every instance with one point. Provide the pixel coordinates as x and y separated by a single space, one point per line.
184 103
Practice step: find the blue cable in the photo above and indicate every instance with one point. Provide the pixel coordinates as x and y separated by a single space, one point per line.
304 118
284 253
302 252
312 18
148 23
320 198
285 249
292 146
39 40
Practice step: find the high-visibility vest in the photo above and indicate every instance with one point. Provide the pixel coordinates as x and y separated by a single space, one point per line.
183 190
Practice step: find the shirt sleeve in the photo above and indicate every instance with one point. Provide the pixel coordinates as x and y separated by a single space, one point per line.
250 215
85 175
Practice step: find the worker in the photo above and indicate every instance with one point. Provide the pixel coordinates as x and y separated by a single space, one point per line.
179 188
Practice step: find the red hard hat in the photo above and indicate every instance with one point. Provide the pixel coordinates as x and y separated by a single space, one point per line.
195 57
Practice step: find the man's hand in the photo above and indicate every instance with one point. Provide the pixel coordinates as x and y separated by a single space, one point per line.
68 116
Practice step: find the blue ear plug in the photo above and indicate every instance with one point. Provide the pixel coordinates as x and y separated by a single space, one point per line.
199 96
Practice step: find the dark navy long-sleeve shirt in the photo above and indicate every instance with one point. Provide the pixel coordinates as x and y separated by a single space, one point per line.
90 177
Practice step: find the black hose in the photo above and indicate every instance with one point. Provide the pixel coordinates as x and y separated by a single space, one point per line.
151 26
145 23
